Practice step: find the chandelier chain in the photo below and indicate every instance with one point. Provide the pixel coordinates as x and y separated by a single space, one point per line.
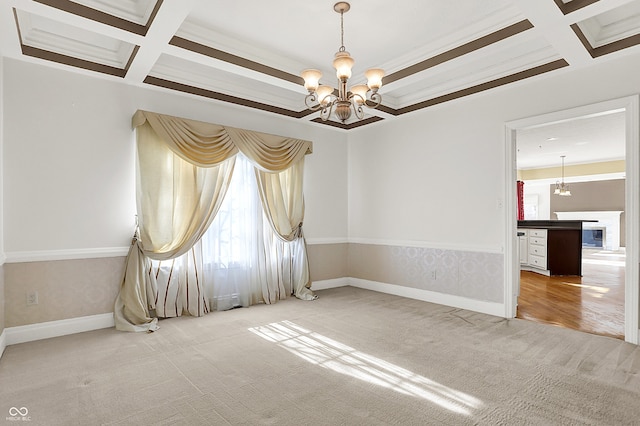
342 48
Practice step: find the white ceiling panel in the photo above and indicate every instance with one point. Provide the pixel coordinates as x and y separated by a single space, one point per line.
613 25
49 35
138 11
493 62
598 137
201 76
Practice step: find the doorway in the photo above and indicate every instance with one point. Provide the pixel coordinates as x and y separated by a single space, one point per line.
629 108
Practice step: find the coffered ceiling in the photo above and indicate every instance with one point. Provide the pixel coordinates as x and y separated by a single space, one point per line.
250 52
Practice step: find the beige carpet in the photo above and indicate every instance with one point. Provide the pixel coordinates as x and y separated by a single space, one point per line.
352 357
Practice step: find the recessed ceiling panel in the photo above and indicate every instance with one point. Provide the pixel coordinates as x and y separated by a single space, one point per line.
490 63
196 75
310 34
569 6
251 52
138 11
50 36
613 25
610 31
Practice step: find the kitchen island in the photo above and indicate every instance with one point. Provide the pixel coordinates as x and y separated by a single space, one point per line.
551 247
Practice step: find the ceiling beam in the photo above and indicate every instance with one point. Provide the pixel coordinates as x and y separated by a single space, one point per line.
165 25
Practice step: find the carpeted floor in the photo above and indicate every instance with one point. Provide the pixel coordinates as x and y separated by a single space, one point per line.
352 357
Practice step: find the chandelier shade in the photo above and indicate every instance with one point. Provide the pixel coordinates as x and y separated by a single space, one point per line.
311 79
359 93
324 94
374 77
323 97
343 63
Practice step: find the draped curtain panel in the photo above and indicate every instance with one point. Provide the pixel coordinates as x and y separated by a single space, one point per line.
283 204
185 167
520 209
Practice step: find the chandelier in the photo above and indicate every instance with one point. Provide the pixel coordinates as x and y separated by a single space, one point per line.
561 187
323 97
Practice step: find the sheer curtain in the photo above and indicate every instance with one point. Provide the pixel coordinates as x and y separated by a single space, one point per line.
241 259
244 254
233 243
185 169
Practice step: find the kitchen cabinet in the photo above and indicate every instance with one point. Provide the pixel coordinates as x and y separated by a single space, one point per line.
553 247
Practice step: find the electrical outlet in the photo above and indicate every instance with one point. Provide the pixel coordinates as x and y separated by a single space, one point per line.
32 298
434 276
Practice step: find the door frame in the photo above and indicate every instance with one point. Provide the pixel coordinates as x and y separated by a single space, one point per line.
631 106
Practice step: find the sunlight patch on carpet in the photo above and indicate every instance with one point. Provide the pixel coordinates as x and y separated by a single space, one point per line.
328 353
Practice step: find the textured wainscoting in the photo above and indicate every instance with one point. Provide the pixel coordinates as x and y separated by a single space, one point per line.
328 261
84 287
469 274
87 288
66 289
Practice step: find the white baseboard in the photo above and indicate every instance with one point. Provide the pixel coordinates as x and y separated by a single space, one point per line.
46 330
326 284
490 308
3 342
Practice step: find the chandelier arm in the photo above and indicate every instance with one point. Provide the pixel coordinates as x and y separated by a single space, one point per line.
326 111
352 97
310 101
357 109
374 101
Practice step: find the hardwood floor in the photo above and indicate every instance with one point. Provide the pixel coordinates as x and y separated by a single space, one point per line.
593 303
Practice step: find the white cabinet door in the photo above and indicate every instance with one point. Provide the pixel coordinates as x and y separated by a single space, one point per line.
524 248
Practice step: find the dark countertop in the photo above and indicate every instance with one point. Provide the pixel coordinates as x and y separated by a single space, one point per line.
552 224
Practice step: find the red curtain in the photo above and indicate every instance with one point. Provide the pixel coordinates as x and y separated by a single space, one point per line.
520 200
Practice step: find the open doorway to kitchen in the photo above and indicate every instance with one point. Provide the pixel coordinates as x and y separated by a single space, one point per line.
598 146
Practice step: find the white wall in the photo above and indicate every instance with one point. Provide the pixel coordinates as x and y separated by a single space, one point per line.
1 169
541 190
437 176
2 255
69 158
434 178
2 101
429 177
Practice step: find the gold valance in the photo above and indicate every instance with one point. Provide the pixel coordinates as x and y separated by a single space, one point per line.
206 144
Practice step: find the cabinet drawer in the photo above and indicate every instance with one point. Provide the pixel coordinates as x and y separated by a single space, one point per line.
537 241
538 261
540 233
537 250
